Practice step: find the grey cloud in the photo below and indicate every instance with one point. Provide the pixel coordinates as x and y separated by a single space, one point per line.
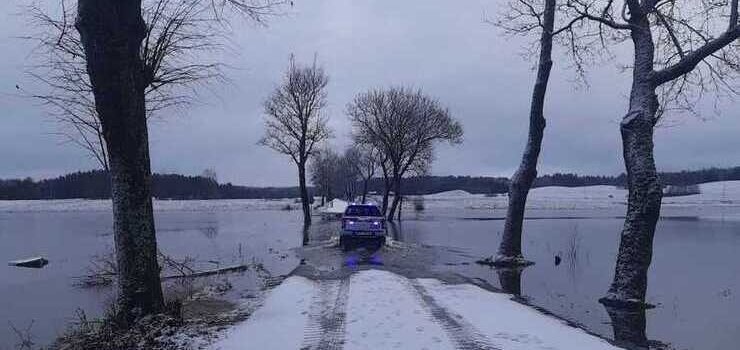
441 46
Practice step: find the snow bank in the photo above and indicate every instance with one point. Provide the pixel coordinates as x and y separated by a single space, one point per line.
381 310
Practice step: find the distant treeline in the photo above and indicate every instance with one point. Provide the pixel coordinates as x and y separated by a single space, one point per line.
96 185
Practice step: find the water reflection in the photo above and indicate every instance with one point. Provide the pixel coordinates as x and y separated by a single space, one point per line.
510 280
357 259
210 231
395 231
306 231
629 327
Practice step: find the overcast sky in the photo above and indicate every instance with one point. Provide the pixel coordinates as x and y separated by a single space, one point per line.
443 47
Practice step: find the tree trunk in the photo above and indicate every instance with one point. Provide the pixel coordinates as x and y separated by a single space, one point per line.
386 193
111 32
629 328
305 235
645 193
510 249
643 210
364 191
510 280
305 203
396 196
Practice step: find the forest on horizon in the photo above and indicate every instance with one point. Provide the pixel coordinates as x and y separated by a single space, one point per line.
95 184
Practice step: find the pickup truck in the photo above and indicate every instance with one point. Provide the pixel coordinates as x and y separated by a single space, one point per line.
362 222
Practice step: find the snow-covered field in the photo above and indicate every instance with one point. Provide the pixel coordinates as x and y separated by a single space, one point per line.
377 309
589 197
724 193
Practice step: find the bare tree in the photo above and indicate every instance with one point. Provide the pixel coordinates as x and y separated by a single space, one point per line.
295 125
365 162
333 174
682 50
111 35
323 169
405 124
523 18
348 173
177 34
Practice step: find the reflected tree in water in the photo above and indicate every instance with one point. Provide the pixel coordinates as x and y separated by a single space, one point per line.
510 280
209 232
305 234
395 230
629 327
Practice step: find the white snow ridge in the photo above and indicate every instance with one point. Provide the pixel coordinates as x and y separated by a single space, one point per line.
380 310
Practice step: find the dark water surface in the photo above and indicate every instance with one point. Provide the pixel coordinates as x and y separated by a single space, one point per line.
68 240
694 279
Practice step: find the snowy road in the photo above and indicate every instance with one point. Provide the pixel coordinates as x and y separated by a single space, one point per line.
377 309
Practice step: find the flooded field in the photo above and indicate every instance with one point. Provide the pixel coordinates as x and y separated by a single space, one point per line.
694 280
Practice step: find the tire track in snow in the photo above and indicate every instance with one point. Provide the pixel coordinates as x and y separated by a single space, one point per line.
327 315
463 334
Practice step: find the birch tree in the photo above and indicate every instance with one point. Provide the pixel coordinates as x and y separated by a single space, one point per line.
682 50
405 124
295 125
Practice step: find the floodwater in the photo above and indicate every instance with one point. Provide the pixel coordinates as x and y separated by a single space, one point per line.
694 280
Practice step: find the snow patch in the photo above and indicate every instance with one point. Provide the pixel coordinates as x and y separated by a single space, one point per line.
387 311
508 324
335 206
279 323
384 313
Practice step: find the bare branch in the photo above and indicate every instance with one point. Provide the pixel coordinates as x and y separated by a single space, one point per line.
692 59
177 54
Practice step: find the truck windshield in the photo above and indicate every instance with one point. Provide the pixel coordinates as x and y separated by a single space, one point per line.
362 210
